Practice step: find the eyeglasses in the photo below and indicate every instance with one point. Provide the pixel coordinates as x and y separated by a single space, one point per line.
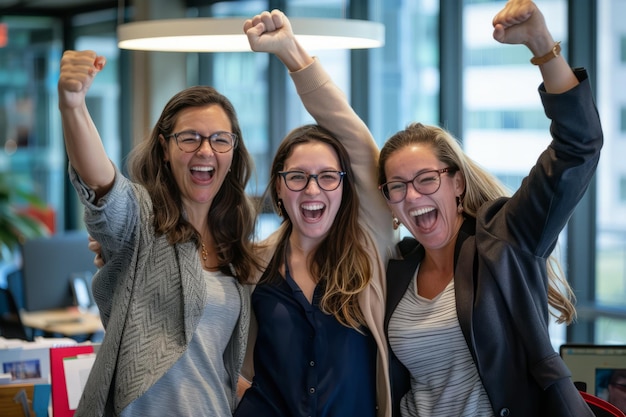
298 180
190 141
425 183
618 386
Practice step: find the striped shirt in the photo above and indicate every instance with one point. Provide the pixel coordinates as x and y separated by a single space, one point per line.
426 337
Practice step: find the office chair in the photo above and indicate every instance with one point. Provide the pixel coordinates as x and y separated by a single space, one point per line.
11 326
600 407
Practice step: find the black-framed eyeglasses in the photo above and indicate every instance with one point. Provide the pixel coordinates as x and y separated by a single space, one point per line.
299 180
190 141
425 183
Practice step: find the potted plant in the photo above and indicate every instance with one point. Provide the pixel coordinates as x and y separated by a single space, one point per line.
15 224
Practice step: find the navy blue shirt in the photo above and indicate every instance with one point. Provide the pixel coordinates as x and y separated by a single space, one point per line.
306 363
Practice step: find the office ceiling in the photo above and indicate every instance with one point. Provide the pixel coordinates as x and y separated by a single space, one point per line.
44 4
70 7
53 7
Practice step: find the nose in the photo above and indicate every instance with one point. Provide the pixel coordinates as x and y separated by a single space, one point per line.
412 193
205 147
312 187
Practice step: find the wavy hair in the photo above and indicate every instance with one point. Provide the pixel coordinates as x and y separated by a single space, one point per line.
480 187
232 215
340 262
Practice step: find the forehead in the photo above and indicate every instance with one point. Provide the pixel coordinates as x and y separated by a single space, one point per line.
204 119
412 158
312 154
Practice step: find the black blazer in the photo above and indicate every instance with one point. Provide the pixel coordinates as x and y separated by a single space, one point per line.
500 271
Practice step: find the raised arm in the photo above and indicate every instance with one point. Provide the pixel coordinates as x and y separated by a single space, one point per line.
549 194
521 22
328 105
82 141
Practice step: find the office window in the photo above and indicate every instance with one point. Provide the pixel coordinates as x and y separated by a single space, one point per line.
505 128
30 149
506 119
404 84
610 286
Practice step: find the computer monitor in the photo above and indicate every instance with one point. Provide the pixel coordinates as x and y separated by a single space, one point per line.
50 266
595 366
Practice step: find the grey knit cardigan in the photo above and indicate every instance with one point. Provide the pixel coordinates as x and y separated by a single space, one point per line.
151 297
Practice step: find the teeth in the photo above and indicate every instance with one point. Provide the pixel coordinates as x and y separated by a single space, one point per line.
421 211
313 206
206 169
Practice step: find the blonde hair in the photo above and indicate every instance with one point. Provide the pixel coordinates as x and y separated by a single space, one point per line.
480 187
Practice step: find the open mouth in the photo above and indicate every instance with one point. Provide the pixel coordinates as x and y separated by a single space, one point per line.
312 211
425 217
202 173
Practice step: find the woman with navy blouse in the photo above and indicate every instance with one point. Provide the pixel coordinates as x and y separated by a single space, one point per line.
318 346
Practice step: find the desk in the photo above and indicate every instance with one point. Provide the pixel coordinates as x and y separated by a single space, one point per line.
65 321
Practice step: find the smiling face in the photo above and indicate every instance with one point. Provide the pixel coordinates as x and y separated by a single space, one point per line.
200 174
432 219
312 211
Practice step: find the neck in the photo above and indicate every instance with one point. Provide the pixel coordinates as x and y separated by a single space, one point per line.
208 258
302 245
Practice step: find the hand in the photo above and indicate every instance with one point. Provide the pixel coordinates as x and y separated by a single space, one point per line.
242 386
269 32
521 22
95 247
78 70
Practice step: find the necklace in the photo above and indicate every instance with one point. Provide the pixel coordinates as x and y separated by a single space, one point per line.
205 257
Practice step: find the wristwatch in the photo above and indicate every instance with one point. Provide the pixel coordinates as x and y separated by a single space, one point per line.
556 50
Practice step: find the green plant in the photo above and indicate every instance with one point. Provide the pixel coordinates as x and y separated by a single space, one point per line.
15 225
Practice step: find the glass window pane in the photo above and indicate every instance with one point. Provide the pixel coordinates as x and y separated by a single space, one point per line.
336 62
405 74
611 196
610 331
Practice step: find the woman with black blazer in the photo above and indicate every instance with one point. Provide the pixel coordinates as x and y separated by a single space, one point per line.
468 307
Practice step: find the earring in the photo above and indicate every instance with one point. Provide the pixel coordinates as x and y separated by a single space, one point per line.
279 203
459 206
396 223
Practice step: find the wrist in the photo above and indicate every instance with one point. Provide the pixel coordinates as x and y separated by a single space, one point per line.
553 53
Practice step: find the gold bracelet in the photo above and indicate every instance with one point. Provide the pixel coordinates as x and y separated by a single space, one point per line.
556 50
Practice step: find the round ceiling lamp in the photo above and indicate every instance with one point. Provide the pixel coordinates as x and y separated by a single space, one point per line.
226 34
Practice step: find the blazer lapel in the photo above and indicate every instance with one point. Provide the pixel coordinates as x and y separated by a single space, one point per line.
400 272
465 270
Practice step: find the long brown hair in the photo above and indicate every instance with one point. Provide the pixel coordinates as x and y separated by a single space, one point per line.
232 215
480 187
340 262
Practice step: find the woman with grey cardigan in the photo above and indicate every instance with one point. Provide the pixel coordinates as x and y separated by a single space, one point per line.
176 238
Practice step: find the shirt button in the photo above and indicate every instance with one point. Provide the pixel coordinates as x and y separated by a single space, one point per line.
504 412
312 363
312 390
